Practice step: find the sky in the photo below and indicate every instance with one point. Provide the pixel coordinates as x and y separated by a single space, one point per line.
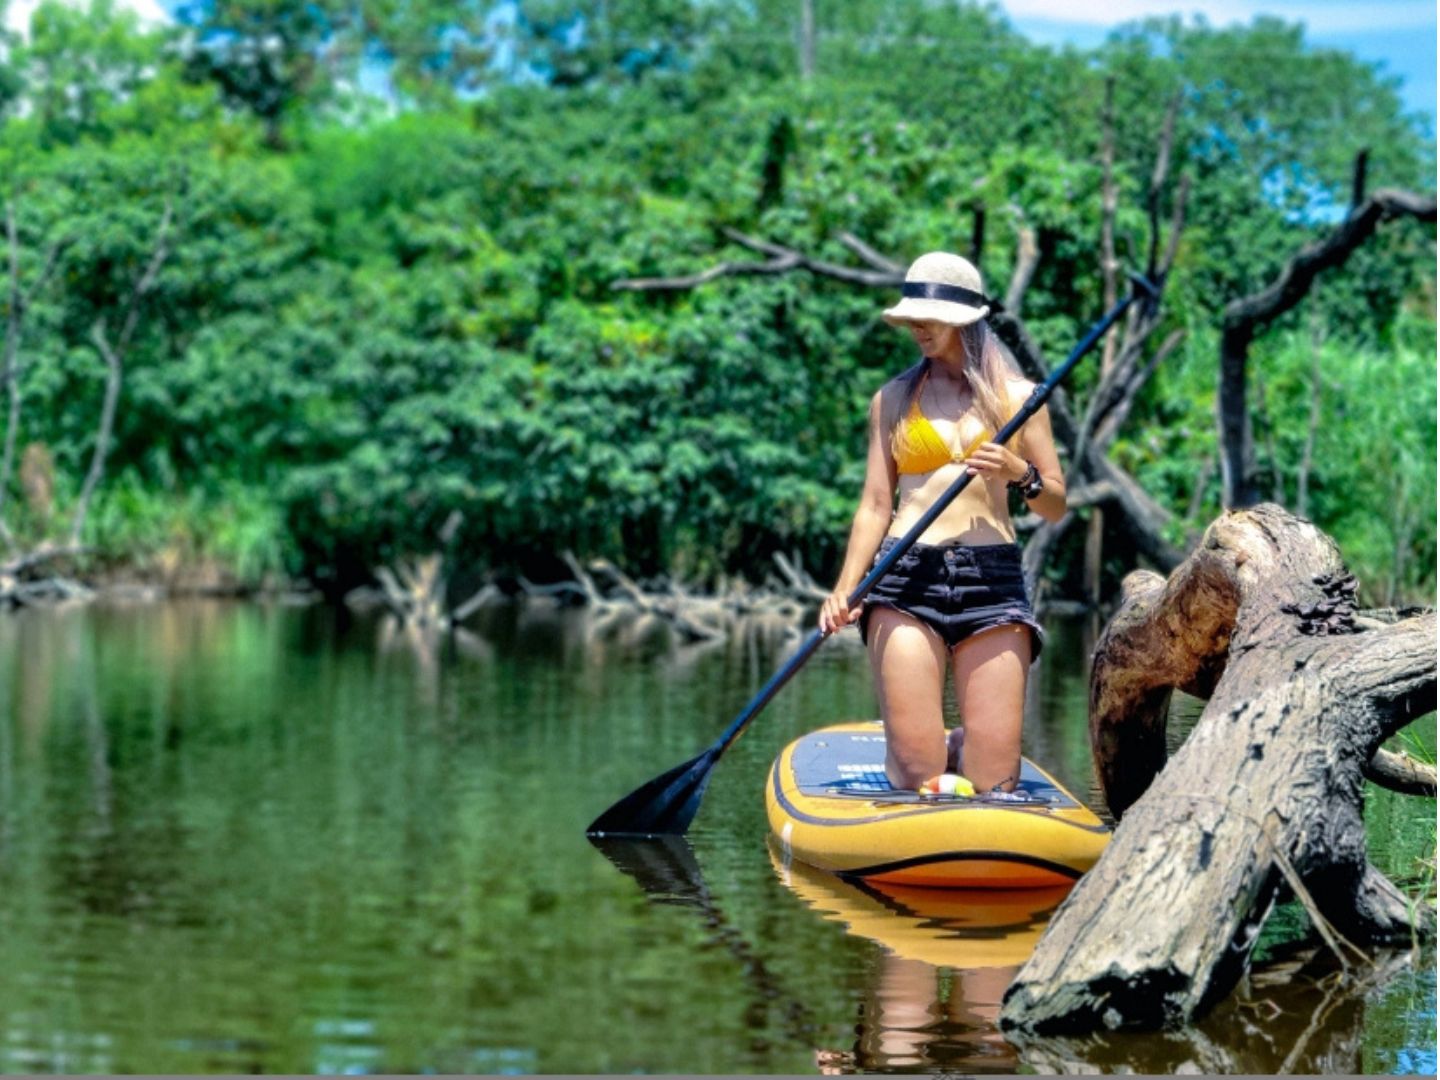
1400 34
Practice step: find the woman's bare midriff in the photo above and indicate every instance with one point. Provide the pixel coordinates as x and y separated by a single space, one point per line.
979 515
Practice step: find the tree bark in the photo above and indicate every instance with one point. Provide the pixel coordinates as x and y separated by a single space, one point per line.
1265 794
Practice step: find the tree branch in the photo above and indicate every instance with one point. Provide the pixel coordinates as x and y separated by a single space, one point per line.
1400 772
1246 317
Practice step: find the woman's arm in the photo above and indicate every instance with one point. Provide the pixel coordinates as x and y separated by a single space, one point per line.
1035 444
872 522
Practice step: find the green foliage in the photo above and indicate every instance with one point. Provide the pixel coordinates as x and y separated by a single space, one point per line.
364 324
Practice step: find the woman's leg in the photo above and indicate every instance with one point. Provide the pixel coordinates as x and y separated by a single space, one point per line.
990 671
908 659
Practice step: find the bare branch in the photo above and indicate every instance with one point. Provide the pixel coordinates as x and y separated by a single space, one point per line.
1109 201
782 260
1157 185
1298 275
873 278
1246 317
147 279
41 555
114 357
114 364
870 255
1177 226
1401 772
1114 416
1027 258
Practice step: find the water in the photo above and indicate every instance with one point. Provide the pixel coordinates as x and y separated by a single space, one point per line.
262 838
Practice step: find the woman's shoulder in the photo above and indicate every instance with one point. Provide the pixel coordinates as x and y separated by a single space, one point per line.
897 385
1017 389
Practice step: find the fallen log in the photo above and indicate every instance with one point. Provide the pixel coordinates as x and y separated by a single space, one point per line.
735 607
1264 796
21 585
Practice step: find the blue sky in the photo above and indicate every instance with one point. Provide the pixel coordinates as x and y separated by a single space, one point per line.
1399 34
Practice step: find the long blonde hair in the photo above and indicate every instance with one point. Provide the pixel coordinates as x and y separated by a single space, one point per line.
986 364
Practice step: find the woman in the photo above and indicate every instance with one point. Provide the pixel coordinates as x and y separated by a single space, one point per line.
956 601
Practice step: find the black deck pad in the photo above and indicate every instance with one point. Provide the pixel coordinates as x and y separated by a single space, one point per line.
851 764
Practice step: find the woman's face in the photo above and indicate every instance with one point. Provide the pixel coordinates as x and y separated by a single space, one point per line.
936 338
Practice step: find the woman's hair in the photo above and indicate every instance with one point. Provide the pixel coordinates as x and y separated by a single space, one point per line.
988 367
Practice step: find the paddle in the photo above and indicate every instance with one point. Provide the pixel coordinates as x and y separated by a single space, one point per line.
667 804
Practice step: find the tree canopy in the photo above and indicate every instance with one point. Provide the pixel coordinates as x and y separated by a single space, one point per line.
397 228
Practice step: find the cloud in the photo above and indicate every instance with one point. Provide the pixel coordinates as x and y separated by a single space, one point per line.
1319 16
19 12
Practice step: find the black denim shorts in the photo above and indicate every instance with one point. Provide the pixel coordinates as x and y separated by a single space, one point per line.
956 590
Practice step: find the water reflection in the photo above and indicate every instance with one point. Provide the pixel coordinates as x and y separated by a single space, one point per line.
947 956
1298 1013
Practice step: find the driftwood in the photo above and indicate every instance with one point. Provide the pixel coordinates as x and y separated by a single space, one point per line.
617 598
415 589
21 584
1263 797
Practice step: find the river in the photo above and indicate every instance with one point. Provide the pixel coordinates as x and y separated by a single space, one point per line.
252 837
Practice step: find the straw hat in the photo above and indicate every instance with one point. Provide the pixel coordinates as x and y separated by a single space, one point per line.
940 287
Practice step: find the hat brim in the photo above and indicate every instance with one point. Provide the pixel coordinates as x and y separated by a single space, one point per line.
913 309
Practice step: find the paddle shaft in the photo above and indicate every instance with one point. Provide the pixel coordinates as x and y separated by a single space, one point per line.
807 648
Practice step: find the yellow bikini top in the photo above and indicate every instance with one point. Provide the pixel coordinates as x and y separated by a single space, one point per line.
918 448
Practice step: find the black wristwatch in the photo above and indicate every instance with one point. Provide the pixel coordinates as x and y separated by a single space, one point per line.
1031 484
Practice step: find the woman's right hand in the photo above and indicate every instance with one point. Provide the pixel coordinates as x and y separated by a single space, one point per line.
835 614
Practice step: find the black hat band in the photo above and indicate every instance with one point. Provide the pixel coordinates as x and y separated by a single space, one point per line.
934 290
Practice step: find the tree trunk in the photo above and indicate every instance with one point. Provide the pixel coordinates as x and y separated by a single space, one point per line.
1264 795
115 374
807 40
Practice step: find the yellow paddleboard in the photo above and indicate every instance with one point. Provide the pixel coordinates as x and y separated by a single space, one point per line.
830 806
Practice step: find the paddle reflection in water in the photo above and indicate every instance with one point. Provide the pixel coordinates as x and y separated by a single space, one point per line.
665 868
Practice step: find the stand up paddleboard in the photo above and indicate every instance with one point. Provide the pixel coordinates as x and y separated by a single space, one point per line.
831 806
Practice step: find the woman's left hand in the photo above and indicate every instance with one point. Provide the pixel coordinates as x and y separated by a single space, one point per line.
994 461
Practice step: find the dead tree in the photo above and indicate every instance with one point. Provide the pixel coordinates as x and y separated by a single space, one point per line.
1244 319
1264 797
415 589
1086 439
1124 372
113 353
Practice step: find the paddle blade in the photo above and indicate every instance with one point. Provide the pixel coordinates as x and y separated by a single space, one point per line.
663 807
